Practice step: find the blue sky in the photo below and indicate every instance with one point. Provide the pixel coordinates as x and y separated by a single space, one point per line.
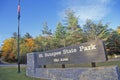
35 12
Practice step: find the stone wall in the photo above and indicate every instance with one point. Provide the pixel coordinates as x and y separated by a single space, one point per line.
31 64
98 73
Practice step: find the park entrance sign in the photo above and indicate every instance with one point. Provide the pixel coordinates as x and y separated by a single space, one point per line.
88 52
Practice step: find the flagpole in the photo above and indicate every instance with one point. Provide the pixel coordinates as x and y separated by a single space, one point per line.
18 46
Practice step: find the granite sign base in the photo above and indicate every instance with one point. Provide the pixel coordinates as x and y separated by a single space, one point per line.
98 73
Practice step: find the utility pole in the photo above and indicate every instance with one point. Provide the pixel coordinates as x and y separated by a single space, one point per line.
18 44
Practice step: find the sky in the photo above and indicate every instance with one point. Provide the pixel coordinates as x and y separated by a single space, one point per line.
34 12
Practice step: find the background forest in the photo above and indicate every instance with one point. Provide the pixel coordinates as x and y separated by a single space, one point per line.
67 33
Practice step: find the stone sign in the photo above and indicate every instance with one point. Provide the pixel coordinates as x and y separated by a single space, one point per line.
84 53
93 51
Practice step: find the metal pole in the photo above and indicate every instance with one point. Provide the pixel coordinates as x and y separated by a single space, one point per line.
18 46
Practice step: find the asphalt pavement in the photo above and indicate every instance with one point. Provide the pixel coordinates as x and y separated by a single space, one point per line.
3 64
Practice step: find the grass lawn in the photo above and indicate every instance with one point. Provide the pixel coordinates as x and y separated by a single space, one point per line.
108 63
10 73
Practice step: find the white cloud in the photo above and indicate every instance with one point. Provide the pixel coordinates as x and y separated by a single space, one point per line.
105 1
88 9
3 36
91 12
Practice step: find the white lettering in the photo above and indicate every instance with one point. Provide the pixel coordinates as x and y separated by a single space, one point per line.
60 59
87 48
81 48
40 55
93 46
56 60
68 51
53 54
64 59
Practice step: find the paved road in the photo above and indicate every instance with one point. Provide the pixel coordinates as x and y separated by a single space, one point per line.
11 65
7 64
114 59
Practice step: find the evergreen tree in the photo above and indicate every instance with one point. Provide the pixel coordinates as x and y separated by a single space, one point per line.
46 31
27 36
96 31
60 35
74 33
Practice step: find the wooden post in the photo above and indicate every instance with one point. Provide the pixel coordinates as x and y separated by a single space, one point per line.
44 66
63 65
93 64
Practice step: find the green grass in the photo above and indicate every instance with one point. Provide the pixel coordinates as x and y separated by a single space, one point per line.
10 73
107 63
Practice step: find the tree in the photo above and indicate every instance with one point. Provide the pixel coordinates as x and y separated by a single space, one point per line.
27 36
94 31
118 29
15 35
43 43
46 31
71 20
9 50
27 46
60 35
38 43
74 33
60 31
113 43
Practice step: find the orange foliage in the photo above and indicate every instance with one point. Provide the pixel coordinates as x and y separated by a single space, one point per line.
27 46
30 42
11 56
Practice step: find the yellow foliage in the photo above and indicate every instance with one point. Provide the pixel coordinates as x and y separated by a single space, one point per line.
118 30
27 46
29 42
8 47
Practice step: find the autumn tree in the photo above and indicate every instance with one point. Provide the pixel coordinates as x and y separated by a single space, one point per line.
27 46
9 50
118 30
